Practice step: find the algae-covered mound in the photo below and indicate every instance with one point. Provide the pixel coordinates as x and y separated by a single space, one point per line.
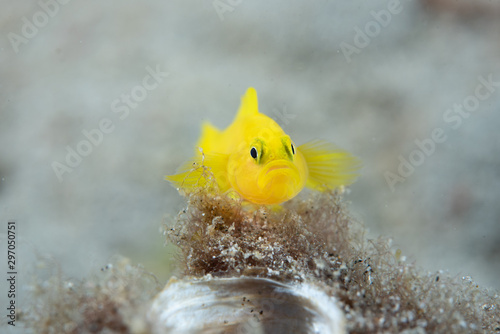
311 240
218 236
317 240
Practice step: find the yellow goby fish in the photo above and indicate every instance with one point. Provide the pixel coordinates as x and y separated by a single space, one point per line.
256 158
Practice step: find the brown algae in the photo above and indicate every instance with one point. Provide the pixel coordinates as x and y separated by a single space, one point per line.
308 243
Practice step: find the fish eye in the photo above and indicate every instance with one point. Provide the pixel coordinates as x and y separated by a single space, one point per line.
293 149
253 152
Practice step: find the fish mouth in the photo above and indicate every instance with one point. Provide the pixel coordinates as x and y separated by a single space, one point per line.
278 171
273 168
277 165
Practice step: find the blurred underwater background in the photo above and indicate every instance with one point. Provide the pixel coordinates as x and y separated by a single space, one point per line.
100 100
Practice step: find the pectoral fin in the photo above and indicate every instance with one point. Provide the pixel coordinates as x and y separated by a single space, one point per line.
328 166
200 171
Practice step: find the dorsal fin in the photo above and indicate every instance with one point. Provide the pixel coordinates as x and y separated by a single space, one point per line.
249 104
209 134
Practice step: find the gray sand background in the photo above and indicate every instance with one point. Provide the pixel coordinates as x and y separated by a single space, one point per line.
69 76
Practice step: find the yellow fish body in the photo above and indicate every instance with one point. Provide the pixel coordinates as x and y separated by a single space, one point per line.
256 158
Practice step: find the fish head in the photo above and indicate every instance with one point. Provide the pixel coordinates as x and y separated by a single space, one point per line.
268 170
